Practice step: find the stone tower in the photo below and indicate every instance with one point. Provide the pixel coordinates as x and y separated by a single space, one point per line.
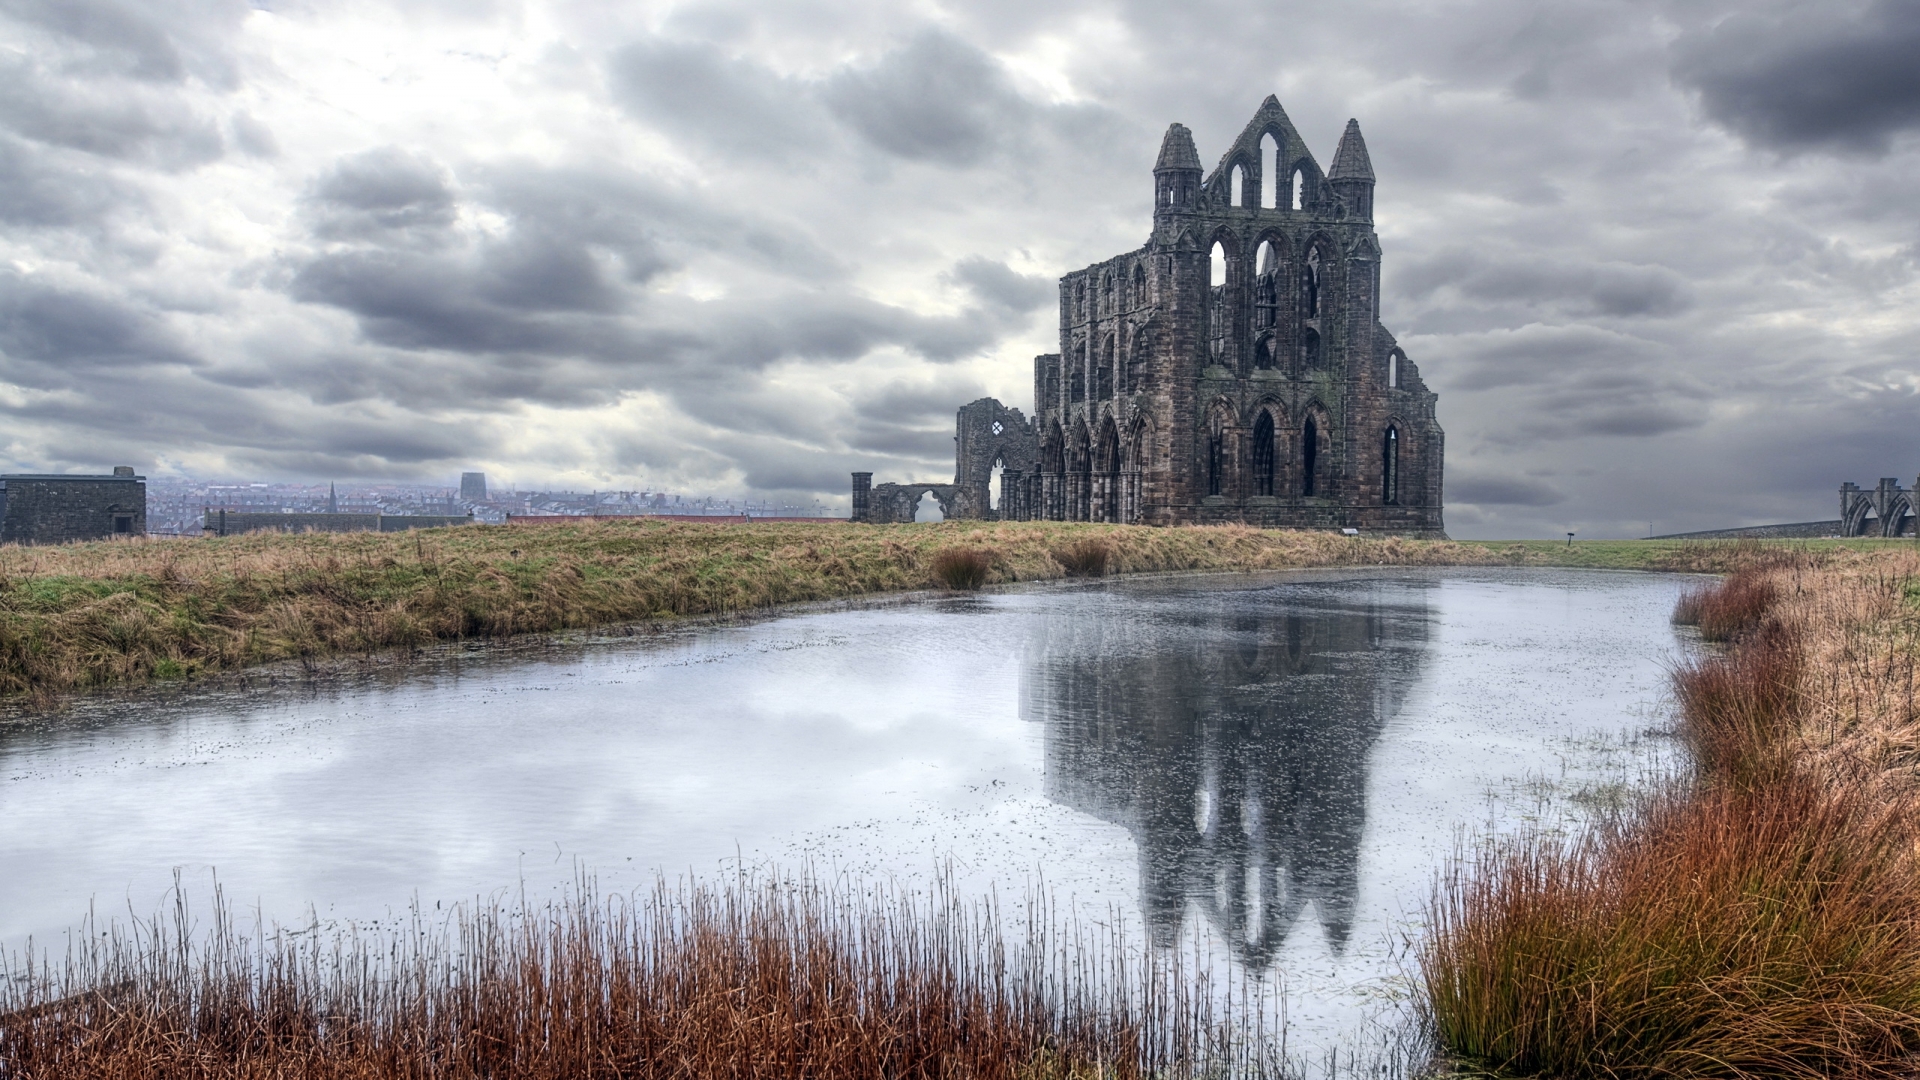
1234 369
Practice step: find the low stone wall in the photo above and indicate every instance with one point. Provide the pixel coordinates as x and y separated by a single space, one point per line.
235 522
1802 530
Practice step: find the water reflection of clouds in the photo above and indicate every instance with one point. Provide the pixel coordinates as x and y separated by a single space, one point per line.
1232 739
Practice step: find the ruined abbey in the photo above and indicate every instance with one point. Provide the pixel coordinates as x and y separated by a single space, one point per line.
1233 369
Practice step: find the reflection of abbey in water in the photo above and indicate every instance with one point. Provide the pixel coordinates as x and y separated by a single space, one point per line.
1230 735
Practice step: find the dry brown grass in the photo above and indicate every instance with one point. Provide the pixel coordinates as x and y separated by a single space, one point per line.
91 614
1727 609
962 569
1761 921
1084 558
1742 708
770 978
1762 932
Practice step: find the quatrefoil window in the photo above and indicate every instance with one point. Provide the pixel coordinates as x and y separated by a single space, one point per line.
998 427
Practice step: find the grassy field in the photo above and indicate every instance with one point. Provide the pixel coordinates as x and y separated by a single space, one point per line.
94 614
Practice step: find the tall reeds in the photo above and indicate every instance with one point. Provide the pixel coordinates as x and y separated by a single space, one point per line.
1729 608
1770 931
758 978
1761 919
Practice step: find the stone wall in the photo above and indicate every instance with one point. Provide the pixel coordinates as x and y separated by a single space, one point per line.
235 522
1799 530
42 509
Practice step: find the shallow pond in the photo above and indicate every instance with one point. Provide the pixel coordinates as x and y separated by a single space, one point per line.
1276 766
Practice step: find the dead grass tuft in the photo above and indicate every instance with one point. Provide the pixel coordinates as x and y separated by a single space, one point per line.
962 569
1084 558
1728 608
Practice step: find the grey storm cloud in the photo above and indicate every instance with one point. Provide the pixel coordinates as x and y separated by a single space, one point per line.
1484 490
1818 75
53 336
736 247
936 99
382 190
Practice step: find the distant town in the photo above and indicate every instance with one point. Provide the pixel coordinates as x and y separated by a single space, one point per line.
179 506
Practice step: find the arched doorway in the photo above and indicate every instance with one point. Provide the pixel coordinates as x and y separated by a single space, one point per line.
928 509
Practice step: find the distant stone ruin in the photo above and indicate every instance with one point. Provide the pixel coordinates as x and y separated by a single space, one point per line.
1234 369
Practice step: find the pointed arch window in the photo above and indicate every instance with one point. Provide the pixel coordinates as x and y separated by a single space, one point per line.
1310 350
1219 314
1310 284
1299 187
1269 172
1263 454
1238 188
1266 286
1390 467
1393 370
1309 455
1103 372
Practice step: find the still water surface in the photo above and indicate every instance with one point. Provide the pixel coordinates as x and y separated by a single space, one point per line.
1276 765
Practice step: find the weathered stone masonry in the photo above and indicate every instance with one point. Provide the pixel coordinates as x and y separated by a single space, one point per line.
1234 369
56 509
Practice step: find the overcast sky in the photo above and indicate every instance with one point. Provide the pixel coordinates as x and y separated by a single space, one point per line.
1658 259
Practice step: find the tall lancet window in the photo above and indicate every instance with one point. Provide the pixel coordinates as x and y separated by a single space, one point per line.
1309 455
1263 454
1390 468
1310 284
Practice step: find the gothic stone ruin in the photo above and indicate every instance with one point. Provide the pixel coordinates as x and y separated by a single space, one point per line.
1885 510
988 436
1233 369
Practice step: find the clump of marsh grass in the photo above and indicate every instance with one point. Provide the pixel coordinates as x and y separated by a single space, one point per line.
1729 608
962 569
1730 931
1085 557
757 978
1739 710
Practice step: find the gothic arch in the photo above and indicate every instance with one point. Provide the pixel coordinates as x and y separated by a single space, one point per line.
1319 269
1225 301
1220 450
1269 279
1894 523
1316 450
1106 473
1399 463
1267 448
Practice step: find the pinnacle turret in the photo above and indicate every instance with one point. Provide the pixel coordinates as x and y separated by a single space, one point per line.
1350 161
1177 151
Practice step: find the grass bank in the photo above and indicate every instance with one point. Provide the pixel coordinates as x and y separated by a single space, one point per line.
1761 918
93 614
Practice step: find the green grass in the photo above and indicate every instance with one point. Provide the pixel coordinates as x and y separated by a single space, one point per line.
1709 555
